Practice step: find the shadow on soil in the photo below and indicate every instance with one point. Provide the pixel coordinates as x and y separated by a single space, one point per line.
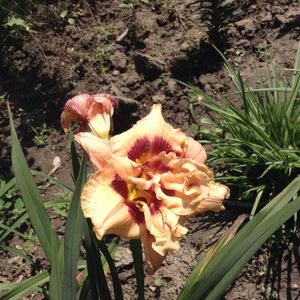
214 17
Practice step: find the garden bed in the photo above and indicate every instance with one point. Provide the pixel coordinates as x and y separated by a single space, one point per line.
141 54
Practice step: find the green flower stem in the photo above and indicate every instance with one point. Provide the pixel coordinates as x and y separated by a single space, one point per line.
136 248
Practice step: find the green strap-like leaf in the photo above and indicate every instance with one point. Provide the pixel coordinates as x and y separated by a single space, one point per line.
265 231
75 161
9 185
51 179
56 275
73 236
18 252
23 216
31 197
26 286
229 260
137 252
118 293
84 292
96 275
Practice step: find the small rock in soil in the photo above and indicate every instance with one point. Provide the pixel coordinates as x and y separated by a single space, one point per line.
159 98
172 86
119 60
148 66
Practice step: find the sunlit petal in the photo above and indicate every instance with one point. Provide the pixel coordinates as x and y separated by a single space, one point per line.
149 137
194 151
164 225
98 149
214 201
93 112
109 102
153 259
103 200
184 186
76 108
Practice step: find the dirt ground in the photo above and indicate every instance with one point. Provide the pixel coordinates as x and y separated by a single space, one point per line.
141 55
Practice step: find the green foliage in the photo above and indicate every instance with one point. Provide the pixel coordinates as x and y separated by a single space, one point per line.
15 292
133 4
256 147
216 270
105 32
8 198
101 58
13 18
41 135
63 256
136 248
70 16
129 4
73 233
36 210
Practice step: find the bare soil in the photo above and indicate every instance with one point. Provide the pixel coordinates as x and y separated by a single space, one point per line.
141 55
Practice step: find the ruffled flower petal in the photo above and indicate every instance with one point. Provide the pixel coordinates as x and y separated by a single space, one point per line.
103 200
98 149
214 201
148 137
153 259
194 150
188 188
94 112
163 225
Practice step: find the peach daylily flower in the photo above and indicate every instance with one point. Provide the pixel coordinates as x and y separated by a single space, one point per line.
94 112
149 180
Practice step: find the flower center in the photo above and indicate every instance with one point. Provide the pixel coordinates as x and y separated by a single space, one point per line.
137 197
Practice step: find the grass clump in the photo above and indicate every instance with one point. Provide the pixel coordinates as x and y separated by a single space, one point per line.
256 147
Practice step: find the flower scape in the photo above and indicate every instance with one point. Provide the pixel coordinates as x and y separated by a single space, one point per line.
148 180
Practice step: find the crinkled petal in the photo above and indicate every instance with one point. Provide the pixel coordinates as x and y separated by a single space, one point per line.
149 137
214 201
103 201
164 225
183 193
194 150
125 167
98 149
153 259
183 186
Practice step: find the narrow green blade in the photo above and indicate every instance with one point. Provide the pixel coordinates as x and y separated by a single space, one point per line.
26 286
73 236
9 185
17 252
118 293
51 179
96 274
31 196
223 268
75 161
137 252
23 216
265 231
56 274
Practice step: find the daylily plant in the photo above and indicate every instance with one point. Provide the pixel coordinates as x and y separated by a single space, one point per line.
148 181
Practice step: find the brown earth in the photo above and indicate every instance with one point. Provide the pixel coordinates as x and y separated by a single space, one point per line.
140 55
